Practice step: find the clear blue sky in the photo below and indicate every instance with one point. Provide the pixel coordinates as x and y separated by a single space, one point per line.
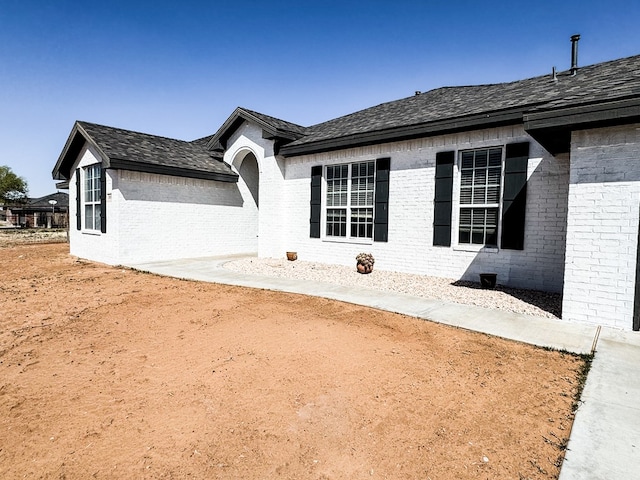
179 68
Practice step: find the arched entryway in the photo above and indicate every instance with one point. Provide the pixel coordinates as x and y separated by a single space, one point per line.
250 174
246 164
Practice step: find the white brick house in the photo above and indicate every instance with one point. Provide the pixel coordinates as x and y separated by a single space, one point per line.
537 181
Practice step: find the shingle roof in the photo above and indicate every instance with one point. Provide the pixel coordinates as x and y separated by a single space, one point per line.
130 150
42 204
273 128
278 124
61 198
202 141
595 83
119 144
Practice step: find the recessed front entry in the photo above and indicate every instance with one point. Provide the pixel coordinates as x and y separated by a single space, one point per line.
250 174
246 164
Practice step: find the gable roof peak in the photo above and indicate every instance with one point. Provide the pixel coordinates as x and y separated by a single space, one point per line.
129 150
274 128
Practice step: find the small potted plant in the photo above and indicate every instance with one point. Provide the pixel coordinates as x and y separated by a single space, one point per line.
364 262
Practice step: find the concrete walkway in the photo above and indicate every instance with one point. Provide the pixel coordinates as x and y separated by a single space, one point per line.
605 439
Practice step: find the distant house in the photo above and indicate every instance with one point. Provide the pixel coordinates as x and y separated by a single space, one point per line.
40 212
537 180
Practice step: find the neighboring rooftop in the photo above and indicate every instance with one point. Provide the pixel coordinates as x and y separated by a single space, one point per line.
42 203
61 199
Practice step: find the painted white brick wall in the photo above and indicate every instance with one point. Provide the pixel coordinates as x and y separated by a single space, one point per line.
84 243
539 265
602 230
163 217
160 217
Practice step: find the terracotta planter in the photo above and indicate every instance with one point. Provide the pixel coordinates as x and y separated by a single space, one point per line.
292 256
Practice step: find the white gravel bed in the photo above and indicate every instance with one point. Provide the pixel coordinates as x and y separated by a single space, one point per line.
529 302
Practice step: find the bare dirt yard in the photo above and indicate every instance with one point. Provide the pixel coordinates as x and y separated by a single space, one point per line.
111 373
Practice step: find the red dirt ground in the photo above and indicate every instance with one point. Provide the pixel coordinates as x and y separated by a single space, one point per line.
111 373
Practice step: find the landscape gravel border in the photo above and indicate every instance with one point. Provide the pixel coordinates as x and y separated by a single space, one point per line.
528 302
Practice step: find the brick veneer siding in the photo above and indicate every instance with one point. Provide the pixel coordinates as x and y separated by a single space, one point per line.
602 230
409 249
161 217
82 243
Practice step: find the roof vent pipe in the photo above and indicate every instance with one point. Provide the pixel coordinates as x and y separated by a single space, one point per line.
574 54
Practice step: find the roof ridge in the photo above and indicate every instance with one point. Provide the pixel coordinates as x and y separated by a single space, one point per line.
559 73
260 114
82 122
205 139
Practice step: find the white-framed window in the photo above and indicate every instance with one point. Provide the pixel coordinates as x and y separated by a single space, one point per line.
91 197
480 196
349 200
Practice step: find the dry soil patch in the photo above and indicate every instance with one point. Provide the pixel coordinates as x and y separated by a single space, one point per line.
111 373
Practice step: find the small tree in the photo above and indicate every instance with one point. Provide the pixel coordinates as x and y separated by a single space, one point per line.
12 187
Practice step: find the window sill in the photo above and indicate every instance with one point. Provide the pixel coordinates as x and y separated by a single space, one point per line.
354 241
475 248
95 233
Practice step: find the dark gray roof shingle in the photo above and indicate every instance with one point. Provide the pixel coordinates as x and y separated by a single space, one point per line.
275 128
120 145
595 83
279 124
61 198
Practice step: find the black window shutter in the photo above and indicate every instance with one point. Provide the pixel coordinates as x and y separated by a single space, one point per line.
103 200
78 200
442 204
514 200
316 201
381 212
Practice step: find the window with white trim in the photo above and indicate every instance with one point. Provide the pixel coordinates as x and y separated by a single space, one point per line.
92 197
480 182
349 200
